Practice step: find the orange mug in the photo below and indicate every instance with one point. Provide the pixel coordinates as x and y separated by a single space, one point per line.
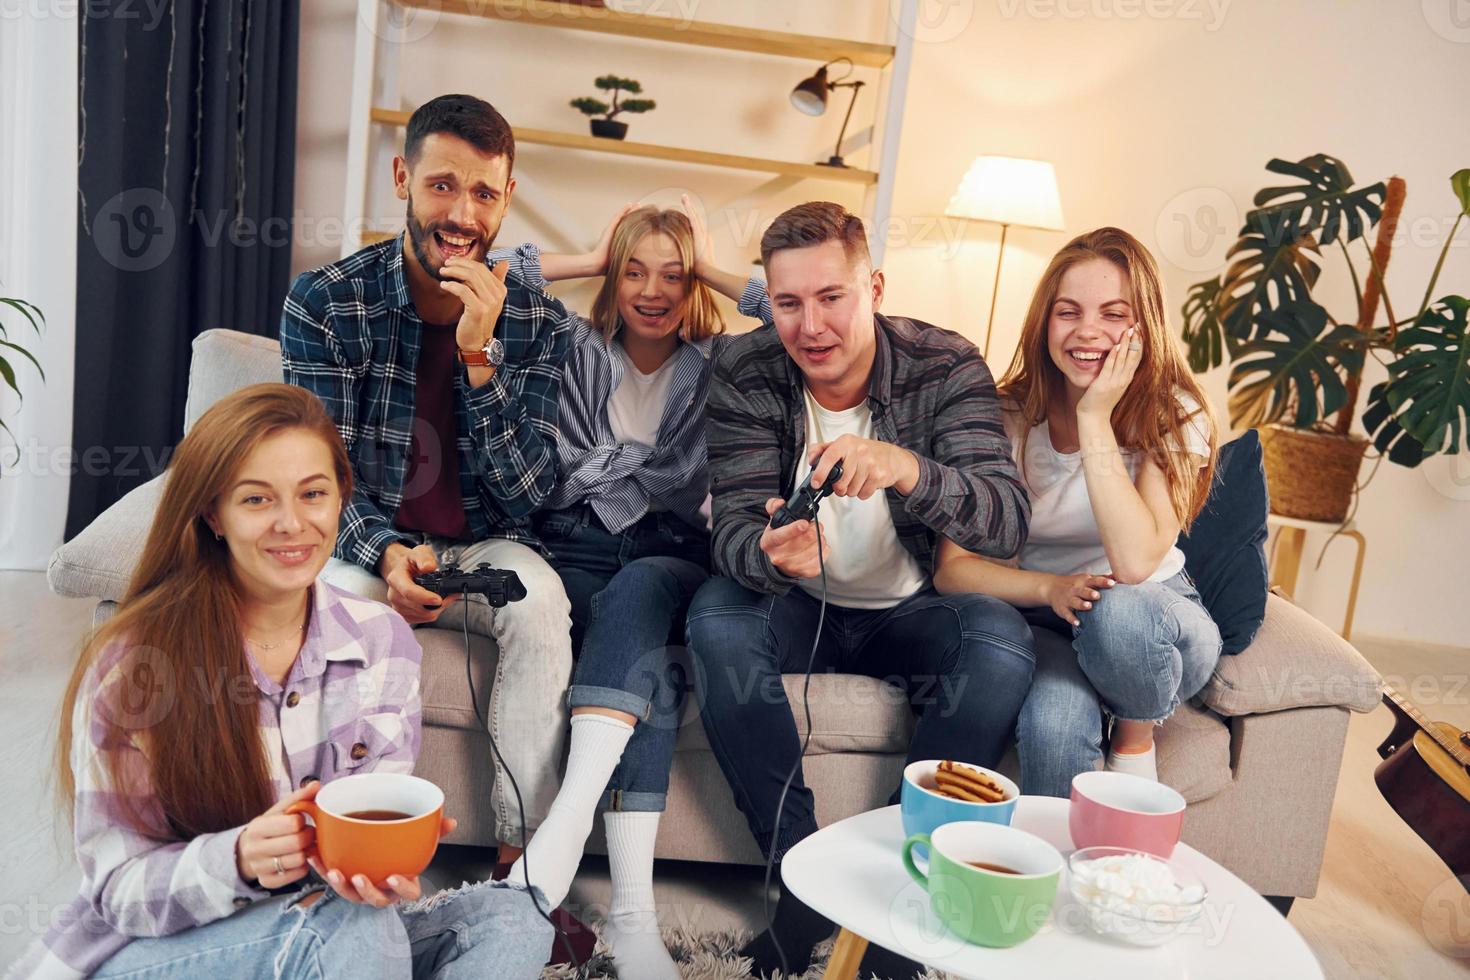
375 824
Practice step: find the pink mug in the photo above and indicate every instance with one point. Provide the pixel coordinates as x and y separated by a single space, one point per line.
1115 809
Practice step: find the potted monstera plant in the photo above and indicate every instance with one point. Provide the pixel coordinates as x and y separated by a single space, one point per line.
1297 369
9 349
609 126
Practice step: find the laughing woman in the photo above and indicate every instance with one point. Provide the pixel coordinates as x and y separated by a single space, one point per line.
625 529
229 685
1117 448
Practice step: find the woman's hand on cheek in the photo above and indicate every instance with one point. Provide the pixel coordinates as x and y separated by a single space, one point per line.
1117 372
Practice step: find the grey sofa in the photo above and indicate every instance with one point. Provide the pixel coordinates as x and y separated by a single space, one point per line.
1257 761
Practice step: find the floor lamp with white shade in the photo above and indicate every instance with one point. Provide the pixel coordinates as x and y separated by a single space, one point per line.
1007 191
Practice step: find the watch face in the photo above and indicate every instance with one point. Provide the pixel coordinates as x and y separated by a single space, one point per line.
495 351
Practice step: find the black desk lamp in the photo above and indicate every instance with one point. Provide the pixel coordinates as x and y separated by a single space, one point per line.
811 98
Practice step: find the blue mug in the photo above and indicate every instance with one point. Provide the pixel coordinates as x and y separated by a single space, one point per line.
925 810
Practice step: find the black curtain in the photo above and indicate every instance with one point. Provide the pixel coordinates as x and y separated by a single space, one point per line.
186 156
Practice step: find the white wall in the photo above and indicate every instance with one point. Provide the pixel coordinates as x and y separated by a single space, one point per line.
1158 115
38 115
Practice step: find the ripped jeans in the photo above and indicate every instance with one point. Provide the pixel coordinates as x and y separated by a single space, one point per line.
1140 650
480 930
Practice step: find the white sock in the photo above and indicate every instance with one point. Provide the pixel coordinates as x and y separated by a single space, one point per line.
556 847
631 932
1143 764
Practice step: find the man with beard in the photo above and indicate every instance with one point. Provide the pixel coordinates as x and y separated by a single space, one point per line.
443 377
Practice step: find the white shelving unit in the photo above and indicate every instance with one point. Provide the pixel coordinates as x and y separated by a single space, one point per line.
375 93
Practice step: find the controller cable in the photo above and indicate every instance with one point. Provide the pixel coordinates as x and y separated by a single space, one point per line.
786 786
520 806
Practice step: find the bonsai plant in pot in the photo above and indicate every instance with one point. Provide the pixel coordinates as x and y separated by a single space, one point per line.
9 305
609 126
1297 370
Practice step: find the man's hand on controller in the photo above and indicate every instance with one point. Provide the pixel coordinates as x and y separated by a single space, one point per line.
482 291
793 548
867 466
410 600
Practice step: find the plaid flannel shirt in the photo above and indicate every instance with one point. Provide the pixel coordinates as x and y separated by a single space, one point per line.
350 334
355 683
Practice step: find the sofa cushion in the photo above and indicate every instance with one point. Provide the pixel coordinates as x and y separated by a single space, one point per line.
225 361
1225 550
1294 662
99 561
1194 752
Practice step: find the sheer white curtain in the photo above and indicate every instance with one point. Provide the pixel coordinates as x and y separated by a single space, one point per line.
38 241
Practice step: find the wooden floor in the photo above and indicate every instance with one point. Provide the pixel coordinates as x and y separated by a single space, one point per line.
1386 908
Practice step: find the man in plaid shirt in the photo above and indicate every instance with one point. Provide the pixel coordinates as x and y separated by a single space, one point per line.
443 374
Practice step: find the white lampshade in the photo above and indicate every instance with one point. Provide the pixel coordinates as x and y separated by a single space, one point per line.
1009 191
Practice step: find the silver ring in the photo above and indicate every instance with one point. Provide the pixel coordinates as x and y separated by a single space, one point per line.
279 870
1135 345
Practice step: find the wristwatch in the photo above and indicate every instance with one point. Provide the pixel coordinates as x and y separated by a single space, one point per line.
491 355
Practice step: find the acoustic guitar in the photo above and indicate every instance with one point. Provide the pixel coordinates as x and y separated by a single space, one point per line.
1425 776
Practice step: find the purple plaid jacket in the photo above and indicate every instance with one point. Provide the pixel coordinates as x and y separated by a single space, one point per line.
355 682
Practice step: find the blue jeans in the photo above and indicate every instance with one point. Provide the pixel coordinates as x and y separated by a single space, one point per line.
963 661
484 930
629 592
1141 649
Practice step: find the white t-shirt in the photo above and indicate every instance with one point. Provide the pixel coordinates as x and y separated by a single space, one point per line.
637 406
868 568
1064 537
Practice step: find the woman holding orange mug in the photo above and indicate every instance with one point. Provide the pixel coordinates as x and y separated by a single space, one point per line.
230 687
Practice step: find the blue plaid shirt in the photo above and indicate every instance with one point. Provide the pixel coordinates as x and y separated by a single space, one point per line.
350 334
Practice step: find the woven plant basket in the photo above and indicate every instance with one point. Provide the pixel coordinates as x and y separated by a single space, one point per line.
1311 475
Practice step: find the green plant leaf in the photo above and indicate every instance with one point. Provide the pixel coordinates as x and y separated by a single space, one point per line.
1460 181
1427 394
1387 434
28 356
1204 334
1262 276
7 374
638 105
1296 368
589 106
1324 204
30 311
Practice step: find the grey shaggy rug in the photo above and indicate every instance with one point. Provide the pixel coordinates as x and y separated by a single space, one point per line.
701 956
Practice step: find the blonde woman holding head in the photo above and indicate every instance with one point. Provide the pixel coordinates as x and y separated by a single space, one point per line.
625 527
1116 446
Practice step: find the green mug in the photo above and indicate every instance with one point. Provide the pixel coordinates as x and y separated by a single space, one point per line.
991 884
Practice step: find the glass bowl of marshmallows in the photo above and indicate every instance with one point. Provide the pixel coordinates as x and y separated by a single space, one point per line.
1133 896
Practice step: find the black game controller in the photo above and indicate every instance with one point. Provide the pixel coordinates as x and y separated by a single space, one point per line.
497 585
803 503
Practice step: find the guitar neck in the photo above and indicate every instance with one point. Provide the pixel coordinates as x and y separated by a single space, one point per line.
1454 748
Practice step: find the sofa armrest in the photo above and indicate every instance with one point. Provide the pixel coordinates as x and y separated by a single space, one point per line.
1294 662
99 562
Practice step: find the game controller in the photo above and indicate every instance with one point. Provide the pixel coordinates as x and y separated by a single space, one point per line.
497 585
803 503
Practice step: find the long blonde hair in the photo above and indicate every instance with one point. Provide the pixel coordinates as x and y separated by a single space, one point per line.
701 317
177 634
1149 417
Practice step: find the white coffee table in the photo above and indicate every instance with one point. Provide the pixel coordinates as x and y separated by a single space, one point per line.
852 873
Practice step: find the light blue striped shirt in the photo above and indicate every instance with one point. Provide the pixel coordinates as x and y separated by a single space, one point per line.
621 480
